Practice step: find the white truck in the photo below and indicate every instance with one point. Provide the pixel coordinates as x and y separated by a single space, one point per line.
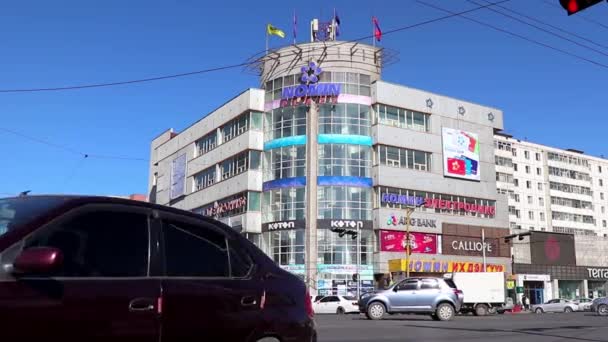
484 292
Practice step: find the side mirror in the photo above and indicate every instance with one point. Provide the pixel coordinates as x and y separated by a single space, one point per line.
396 289
38 260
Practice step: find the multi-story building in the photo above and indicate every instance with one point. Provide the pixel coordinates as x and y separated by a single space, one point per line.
562 193
318 166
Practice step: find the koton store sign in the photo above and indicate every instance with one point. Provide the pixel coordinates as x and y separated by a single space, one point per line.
436 203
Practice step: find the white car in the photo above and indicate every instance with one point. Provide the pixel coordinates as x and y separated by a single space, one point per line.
584 304
335 305
555 305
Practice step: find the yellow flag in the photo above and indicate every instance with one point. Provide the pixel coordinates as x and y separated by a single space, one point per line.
275 31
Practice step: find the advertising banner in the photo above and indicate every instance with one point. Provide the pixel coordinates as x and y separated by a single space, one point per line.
460 154
552 249
395 241
432 266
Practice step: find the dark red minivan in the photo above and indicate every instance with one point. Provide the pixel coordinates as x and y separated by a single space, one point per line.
96 268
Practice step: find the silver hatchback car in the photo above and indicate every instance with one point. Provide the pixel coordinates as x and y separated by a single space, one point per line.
428 296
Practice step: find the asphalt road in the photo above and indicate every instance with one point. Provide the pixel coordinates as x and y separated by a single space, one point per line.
580 326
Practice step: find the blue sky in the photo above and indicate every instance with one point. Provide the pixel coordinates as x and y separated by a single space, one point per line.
546 97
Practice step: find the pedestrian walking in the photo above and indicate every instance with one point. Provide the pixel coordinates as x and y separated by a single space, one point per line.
527 303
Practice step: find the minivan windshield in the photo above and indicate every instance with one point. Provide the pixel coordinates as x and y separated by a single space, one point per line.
15 212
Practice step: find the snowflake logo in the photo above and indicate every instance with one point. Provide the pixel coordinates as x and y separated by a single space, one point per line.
310 73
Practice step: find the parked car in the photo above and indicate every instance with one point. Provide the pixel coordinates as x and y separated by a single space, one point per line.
584 304
336 305
600 306
95 268
428 296
555 305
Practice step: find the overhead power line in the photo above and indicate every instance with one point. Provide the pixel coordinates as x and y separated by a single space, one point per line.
518 36
66 148
579 16
542 29
233 66
550 25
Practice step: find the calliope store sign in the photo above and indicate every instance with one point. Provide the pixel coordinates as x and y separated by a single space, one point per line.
435 203
310 88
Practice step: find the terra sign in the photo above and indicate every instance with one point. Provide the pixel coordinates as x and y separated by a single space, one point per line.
598 273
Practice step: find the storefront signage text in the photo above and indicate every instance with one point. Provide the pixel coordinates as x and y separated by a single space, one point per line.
471 246
598 273
414 222
309 88
436 203
219 208
399 265
283 225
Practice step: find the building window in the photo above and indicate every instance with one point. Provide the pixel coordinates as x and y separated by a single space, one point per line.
284 204
342 202
574 189
530 200
527 154
512 210
344 118
527 168
403 118
334 249
344 160
529 184
514 167
601 195
235 127
601 182
502 161
537 156
503 146
515 181
604 223
206 143
404 158
517 213
514 197
568 159
572 203
562 216
538 171
531 228
599 169
603 210
504 177
285 122
240 163
205 178
286 247
540 186
542 216
531 215
541 201
514 151
285 162
555 171
574 231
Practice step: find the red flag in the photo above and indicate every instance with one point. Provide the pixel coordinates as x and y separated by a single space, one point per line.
456 166
377 30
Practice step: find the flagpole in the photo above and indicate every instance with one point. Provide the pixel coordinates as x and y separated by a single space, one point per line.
333 24
373 33
295 26
266 41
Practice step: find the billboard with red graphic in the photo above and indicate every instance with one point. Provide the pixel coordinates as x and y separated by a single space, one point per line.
552 249
460 154
395 241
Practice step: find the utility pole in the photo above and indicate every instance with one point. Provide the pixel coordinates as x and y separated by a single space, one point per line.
408 214
483 248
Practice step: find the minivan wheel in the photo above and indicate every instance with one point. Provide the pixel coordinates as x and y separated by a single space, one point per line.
481 310
602 310
445 312
568 309
376 311
340 311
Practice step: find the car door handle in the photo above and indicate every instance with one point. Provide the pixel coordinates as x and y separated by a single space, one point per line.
248 301
141 305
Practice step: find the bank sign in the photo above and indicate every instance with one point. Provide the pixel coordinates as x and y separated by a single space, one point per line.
309 88
435 203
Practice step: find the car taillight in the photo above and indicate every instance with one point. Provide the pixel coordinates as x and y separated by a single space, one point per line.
457 292
308 305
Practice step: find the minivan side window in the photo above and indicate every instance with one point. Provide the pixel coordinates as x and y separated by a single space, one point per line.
194 251
429 284
99 244
408 285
